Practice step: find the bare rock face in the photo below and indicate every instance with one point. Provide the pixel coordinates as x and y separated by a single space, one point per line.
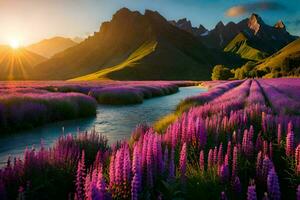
279 25
186 25
254 23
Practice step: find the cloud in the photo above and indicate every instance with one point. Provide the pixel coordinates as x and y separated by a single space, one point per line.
239 10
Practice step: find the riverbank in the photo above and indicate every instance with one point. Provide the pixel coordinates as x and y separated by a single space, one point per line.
25 105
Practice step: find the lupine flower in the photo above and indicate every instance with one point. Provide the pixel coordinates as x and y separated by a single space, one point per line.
80 178
201 160
237 186
251 193
223 196
289 148
279 134
224 173
210 159
234 161
183 160
172 165
273 185
137 175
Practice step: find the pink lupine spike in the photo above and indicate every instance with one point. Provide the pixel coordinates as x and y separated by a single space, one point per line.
210 161
279 133
220 154
235 161
201 160
289 148
112 171
183 160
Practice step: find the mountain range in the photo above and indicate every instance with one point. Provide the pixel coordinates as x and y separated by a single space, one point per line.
52 46
135 46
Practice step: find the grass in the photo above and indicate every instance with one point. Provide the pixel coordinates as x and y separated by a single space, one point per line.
144 50
239 45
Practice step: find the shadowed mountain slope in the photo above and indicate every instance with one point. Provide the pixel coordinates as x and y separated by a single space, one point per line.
134 46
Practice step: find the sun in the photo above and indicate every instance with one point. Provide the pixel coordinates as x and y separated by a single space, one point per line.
15 43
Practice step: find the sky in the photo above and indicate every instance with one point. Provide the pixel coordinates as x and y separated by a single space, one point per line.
32 20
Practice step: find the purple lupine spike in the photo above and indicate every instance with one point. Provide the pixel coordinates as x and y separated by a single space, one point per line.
183 160
210 161
271 150
165 159
224 173
267 165
279 134
234 161
237 186
136 182
273 185
201 160
289 148
228 151
251 193
172 165
80 178
2 190
159 155
298 192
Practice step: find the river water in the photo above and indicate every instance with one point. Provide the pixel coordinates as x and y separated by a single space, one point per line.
116 122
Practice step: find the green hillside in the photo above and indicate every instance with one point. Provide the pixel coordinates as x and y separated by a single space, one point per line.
135 46
241 46
277 59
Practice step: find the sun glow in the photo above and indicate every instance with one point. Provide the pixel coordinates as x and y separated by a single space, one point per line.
15 43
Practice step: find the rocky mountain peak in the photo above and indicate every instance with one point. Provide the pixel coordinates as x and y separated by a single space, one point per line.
255 22
279 25
220 25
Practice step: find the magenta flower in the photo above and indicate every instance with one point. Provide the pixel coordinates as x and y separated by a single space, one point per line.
80 178
183 160
289 148
298 192
172 165
251 193
136 182
279 134
234 161
201 160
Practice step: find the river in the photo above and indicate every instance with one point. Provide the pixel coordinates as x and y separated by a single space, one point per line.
116 122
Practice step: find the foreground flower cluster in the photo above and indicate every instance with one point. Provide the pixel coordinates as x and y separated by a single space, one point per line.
240 143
